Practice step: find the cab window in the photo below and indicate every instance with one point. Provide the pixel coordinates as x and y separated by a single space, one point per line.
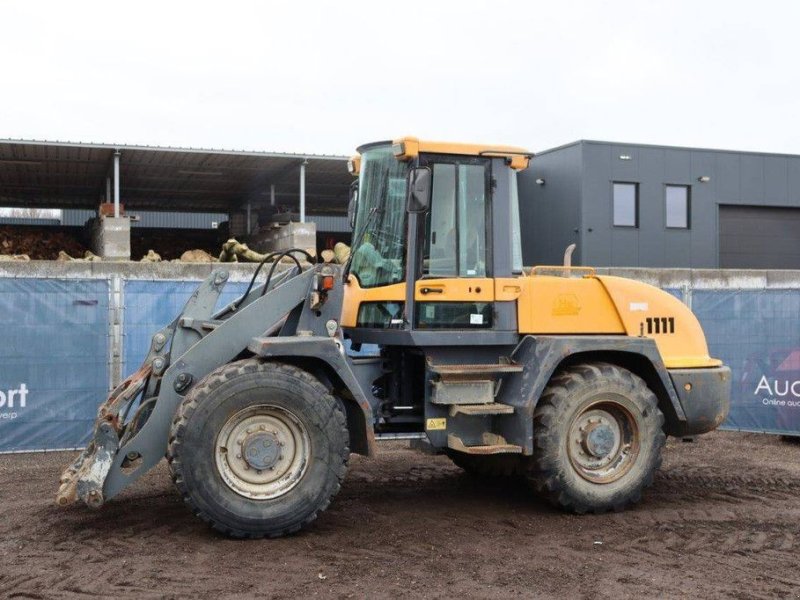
455 244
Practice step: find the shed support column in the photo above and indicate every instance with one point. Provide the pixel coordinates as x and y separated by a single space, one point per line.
303 191
249 213
116 184
272 194
111 236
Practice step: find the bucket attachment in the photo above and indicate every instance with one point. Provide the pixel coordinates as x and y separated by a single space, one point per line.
84 478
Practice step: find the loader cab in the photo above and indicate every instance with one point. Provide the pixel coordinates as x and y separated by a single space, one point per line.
435 227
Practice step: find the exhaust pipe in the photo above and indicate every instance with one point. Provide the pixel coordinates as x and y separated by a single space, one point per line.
568 255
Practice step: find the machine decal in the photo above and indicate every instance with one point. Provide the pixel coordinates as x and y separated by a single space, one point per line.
436 424
658 325
566 305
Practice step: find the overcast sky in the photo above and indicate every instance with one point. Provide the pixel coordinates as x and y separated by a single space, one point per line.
324 77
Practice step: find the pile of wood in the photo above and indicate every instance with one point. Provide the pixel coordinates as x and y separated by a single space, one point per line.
38 243
235 251
49 243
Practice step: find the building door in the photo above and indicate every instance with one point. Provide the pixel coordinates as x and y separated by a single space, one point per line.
758 237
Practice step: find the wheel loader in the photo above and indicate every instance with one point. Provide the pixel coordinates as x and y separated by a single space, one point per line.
556 375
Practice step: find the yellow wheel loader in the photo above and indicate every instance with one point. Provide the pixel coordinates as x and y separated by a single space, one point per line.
567 379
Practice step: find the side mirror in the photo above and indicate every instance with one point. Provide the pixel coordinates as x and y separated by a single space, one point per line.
419 190
352 205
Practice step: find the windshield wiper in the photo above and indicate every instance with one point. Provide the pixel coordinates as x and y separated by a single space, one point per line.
357 242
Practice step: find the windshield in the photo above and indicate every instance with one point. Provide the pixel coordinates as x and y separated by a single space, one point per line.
379 232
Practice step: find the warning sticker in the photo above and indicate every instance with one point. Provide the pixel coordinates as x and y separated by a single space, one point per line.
436 424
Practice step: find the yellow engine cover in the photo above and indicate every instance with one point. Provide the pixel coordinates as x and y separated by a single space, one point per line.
614 305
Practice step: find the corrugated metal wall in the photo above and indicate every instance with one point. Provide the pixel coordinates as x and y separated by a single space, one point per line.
178 220
155 219
330 224
27 221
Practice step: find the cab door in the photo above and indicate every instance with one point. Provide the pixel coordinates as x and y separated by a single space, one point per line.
454 287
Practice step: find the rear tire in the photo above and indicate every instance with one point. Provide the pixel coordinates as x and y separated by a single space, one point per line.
495 466
597 439
258 449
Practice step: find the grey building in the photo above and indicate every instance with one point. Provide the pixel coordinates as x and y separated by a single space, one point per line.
633 205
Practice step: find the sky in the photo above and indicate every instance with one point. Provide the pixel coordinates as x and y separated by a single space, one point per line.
323 77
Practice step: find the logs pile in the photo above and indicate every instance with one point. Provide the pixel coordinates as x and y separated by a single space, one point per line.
48 243
235 251
37 243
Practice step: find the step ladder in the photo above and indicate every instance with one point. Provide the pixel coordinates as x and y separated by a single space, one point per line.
470 390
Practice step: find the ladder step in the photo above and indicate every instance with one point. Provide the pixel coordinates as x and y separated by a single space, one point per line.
495 408
492 444
446 372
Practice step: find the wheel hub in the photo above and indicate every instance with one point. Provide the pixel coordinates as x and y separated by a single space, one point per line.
599 439
261 450
603 442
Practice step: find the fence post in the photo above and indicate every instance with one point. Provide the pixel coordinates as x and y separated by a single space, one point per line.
116 320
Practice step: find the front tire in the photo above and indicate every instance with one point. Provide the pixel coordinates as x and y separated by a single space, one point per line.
258 449
597 439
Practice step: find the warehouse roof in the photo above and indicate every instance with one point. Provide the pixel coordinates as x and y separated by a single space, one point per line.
46 174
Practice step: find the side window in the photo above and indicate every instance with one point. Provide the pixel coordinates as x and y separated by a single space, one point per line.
440 244
455 243
626 204
677 206
471 221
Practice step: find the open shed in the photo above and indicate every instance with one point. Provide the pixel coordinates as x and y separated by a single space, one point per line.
174 188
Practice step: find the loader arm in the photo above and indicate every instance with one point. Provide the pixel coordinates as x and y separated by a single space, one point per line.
199 342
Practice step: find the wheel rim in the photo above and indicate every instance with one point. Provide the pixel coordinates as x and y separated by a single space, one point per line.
603 441
262 452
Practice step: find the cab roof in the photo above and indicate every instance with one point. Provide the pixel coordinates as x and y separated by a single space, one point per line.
408 147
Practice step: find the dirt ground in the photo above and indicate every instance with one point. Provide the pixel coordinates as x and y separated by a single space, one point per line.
722 520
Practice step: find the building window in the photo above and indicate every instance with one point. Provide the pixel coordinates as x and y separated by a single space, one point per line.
626 204
677 206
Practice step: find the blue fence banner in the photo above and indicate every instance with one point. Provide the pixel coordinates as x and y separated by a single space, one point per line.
54 367
677 292
150 305
756 333
55 357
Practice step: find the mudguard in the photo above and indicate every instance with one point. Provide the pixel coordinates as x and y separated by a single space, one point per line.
541 356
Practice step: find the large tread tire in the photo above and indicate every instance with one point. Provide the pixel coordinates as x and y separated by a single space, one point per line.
497 466
552 472
202 414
